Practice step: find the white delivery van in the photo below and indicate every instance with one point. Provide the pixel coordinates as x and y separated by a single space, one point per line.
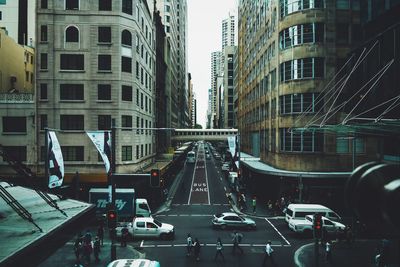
134 263
299 211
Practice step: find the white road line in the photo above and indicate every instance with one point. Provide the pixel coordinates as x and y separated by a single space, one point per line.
191 186
208 188
208 245
141 243
273 226
164 246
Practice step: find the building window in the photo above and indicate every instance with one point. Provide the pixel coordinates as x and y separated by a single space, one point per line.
72 62
104 35
104 122
137 152
43 91
301 141
72 122
43 121
72 34
126 64
302 34
342 33
300 103
71 92
126 122
344 144
43 33
104 63
43 4
17 153
104 92
137 97
137 69
126 93
105 5
127 6
141 151
71 4
126 38
43 61
303 68
137 125
342 4
14 124
72 153
290 6
126 153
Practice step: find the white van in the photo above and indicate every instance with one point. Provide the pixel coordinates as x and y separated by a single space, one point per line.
134 263
299 211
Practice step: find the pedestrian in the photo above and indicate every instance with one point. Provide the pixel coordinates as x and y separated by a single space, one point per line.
197 247
96 248
87 250
124 236
219 247
236 239
189 244
78 247
88 236
269 206
268 254
328 251
254 204
100 233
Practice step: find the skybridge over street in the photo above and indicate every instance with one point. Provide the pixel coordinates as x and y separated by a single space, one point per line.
202 134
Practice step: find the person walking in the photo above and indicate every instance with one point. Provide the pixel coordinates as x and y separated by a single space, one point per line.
254 204
268 254
219 247
100 233
236 239
189 245
87 250
197 247
78 247
124 236
96 248
328 251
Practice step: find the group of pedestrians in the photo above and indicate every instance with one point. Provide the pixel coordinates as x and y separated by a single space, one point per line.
193 246
85 245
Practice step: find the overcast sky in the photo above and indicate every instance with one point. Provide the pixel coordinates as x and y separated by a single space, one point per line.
204 36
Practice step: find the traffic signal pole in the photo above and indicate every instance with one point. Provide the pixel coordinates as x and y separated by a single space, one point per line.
111 186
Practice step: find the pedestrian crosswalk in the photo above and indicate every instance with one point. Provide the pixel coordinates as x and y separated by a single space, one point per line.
212 204
151 245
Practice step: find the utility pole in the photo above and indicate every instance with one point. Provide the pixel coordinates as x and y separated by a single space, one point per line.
111 187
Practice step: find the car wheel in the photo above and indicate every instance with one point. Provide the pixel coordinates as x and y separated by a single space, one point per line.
223 226
164 236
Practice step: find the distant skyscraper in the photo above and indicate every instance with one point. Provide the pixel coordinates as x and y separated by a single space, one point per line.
228 32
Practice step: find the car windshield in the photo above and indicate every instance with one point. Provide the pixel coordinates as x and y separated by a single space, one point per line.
158 223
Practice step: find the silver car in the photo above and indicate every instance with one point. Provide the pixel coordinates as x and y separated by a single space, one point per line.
231 219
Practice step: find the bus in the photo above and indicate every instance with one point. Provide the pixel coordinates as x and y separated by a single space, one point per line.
191 157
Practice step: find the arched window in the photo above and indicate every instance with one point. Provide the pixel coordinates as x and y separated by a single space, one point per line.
126 38
72 34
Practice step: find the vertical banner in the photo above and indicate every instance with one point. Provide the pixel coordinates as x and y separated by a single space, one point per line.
102 141
232 145
56 161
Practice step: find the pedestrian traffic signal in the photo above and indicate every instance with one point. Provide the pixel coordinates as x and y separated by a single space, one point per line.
155 178
317 225
112 219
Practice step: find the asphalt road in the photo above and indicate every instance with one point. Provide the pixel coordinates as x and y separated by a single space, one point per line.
201 194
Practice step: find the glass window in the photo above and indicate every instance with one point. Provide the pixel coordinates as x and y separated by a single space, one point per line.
72 153
342 4
126 93
126 38
342 33
72 62
43 91
17 153
127 6
126 64
104 122
104 91
72 122
43 33
105 5
104 63
126 153
71 4
297 103
14 124
43 4
43 121
104 34
43 61
126 121
72 34
71 92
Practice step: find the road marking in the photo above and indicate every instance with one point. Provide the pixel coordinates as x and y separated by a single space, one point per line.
191 186
184 215
206 245
208 188
273 226
141 243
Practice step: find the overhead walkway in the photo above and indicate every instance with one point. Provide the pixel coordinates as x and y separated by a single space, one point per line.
202 134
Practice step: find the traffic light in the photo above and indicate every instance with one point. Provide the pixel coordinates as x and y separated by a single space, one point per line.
112 219
155 178
317 225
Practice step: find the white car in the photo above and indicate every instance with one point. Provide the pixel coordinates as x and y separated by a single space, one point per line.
225 167
231 219
305 226
148 227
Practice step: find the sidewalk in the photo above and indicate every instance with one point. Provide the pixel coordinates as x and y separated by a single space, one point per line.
359 254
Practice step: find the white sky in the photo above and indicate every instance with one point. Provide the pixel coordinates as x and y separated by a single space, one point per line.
204 36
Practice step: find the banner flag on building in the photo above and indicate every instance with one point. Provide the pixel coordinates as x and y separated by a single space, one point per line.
55 161
232 145
102 141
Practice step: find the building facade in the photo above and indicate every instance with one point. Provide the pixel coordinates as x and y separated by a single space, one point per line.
96 64
228 88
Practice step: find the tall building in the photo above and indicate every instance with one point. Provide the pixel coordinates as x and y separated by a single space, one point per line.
228 32
228 93
17 17
96 64
215 72
174 18
291 59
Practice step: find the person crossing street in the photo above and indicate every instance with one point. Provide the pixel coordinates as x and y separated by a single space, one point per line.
236 239
219 248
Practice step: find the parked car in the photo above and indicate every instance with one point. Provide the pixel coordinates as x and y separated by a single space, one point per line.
148 227
231 219
299 211
225 167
